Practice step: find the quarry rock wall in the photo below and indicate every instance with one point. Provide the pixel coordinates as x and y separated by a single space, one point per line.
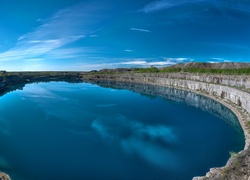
231 88
227 90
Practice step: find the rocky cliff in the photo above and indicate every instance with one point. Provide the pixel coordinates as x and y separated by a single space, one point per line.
177 95
231 91
231 88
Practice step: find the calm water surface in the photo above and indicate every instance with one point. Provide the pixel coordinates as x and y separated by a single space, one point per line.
81 131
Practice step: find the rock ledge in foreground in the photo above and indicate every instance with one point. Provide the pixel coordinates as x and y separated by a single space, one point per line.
4 176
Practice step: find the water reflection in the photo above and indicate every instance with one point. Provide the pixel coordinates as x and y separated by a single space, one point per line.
83 128
192 99
198 101
150 142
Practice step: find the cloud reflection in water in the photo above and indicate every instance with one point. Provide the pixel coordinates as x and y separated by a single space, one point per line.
152 143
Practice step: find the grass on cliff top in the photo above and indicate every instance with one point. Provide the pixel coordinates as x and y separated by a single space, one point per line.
175 70
201 70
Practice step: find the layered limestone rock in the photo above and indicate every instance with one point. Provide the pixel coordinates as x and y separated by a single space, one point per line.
231 91
225 87
190 98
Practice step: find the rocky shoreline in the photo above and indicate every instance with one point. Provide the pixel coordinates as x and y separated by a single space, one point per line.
4 176
230 90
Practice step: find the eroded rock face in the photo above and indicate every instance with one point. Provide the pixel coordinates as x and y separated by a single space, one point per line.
231 91
225 88
193 99
4 176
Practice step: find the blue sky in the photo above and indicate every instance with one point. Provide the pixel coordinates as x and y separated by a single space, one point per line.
86 35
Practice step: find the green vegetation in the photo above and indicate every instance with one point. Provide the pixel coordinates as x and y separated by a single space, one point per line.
170 69
234 168
248 124
232 154
219 71
152 69
207 70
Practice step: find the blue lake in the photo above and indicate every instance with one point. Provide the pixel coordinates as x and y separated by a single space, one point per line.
59 130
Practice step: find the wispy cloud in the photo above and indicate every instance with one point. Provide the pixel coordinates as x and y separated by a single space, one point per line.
158 63
240 6
128 50
158 5
141 30
131 62
64 27
145 63
177 60
222 5
167 4
69 53
216 60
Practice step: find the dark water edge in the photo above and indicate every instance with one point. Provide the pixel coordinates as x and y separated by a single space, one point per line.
179 96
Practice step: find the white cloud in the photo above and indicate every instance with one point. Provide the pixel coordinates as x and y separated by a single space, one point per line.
141 30
227 60
65 27
130 62
128 50
165 4
212 62
145 63
220 60
157 5
20 38
134 63
177 59
217 60
160 63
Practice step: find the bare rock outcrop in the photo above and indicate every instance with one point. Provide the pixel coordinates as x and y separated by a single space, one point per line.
4 176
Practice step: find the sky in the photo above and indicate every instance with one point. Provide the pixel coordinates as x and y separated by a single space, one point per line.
83 35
